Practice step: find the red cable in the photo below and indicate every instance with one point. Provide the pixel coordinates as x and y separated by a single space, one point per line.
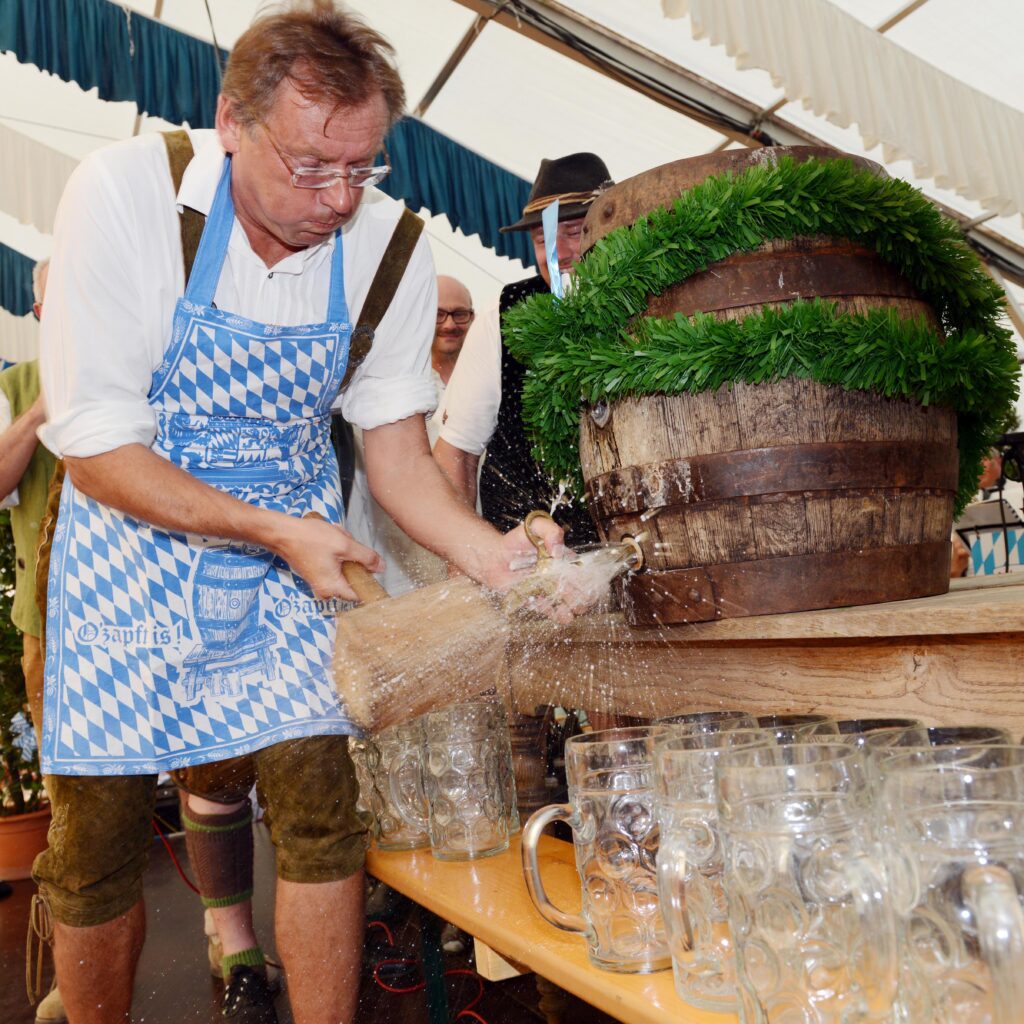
184 877
390 988
466 1011
480 994
387 930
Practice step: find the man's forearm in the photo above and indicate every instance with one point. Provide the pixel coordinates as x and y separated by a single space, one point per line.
147 487
141 484
18 444
427 508
408 483
460 468
405 479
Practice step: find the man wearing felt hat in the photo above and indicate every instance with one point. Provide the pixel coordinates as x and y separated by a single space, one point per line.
482 406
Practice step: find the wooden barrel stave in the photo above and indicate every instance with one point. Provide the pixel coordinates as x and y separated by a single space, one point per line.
782 271
656 428
805 524
781 519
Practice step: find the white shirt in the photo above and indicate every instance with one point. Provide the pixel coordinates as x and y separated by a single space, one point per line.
468 414
116 274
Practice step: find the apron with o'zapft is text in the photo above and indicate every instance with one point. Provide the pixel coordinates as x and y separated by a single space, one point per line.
168 649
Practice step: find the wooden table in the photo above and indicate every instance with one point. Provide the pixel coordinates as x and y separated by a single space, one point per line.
488 899
956 658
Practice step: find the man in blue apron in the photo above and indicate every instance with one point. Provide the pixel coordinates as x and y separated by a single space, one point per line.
197 558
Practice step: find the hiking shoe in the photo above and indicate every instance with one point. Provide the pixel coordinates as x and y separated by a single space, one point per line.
50 1009
247 997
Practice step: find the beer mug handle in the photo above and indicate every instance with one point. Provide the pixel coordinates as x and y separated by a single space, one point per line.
990 893
407 810
539 820
872 902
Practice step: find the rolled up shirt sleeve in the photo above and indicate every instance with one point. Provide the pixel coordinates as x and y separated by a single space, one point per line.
469 409
394 381
102 331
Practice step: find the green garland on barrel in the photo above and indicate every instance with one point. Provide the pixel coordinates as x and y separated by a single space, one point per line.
594 344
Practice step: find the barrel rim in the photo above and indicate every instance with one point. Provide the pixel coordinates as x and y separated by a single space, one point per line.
717 163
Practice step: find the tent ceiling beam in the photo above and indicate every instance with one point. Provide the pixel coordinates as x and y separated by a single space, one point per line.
975 221
596 47
461 49
997 252
904 12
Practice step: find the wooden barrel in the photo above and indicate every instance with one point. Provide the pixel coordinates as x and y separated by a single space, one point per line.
528 734
775 497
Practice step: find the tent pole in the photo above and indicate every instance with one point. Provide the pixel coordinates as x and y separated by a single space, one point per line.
904 12
460 51
1013 307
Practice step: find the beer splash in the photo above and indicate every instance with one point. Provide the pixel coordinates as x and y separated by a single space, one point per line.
574 583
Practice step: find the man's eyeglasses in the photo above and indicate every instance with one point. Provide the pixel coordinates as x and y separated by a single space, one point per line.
325 177
459 316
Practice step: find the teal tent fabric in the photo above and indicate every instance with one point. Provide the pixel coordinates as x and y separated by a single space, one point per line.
176 75
172 75
125 55
431 170
15 281
83 41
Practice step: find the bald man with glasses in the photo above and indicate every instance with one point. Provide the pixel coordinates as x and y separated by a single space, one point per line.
454 316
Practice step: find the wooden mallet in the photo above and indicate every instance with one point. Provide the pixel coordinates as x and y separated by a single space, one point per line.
397 657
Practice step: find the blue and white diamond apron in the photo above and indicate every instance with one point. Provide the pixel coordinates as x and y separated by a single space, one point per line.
168 649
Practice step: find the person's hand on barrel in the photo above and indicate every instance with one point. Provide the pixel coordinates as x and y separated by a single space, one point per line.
531 551
315 550
536 537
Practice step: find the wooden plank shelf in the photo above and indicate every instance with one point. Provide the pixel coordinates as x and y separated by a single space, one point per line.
956 658
489 900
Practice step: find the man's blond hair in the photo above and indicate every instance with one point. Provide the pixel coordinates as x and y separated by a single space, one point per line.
329 53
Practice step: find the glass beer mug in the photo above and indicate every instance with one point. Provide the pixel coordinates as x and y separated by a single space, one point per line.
956 818
809 900
615 835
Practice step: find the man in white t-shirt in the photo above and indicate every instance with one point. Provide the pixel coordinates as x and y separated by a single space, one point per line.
408 565
197 557
482 406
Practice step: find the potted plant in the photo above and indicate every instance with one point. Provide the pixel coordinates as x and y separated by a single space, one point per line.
24 812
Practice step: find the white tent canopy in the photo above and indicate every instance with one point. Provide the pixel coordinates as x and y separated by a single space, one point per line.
524 90
966 139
